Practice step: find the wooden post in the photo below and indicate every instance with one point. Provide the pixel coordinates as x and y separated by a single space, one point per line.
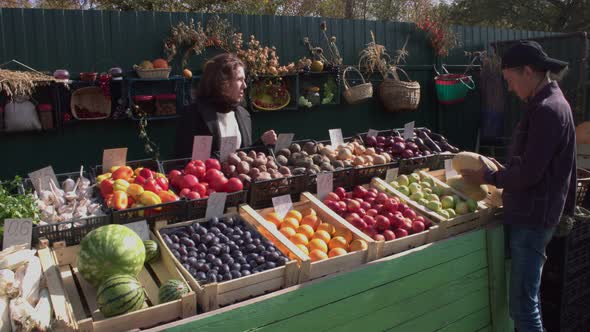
498 284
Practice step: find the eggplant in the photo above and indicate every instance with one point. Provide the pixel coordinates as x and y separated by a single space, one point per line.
429 142
437 137
448 147
422 146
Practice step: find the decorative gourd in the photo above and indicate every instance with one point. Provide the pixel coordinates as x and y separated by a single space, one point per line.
470 160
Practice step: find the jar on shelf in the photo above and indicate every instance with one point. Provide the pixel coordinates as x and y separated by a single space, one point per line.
165 104
145 104
46 115
313 95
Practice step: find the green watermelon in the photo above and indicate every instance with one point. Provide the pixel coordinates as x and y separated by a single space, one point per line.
119 295
110 250
172 290
152 252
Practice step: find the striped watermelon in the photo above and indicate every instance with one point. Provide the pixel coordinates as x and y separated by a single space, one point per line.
119 295
110 250
152 252
172 290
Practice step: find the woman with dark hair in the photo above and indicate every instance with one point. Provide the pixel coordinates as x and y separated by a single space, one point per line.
217 111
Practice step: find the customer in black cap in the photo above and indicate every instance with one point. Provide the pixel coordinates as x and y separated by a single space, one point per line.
539 180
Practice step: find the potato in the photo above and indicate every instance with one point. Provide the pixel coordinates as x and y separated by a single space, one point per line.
295 148
242 154
245 178
299 171
254 172
262 168
347 163
249 160
284 152
243 168
325 166
228 169
264 176
304 162
233 159
260 161
284 170
338 164
272 165
310 148
276 175
305 154
282 160
317 159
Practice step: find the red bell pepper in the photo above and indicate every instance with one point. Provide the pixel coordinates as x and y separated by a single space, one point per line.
163 183
106 187
152 185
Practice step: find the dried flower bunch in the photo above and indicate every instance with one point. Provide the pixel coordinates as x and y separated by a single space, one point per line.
374 58
331 58
262 60
21 83
191 38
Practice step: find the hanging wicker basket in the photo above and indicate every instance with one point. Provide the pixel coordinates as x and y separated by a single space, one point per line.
398 95
358 93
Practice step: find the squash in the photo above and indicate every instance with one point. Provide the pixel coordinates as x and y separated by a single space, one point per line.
470 160
472 191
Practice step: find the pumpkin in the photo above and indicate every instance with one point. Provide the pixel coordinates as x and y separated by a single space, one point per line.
470 160
160 63
583 133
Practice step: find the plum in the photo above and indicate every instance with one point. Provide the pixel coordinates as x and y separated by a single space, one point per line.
235 274
214 250
196 237
246 273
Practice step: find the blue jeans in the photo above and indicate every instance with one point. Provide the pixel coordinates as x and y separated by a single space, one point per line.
527 248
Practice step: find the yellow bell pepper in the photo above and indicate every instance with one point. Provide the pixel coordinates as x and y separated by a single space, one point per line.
135 190
137 170
120 185
113 169
102 177
149 198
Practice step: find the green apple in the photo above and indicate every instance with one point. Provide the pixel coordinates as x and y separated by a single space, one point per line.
437 190
425 184
444 213
428 180
462 208
432 197
457 199
414 188
434 205
394 184
404 190
451 212
472 205
448 202
417 196
403 180
414 178
427 190
423 202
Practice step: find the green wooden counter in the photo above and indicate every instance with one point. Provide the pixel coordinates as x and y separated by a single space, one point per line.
458 284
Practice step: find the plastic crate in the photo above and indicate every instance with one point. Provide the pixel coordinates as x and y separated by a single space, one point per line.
340 178
364 175
149 163
261 193
171 212
583 176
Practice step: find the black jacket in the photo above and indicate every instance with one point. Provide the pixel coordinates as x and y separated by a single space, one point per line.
200 119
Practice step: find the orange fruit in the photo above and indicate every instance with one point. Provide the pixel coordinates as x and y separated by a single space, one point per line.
344 232
317 255
358 244
290 222
287 231
299 239
294 214
322 235
338 242
273 217
303 248
318 244
311 220
306 230
326 227
337 252
308 212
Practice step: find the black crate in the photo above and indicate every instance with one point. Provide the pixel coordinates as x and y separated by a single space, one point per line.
171 212
364 175
261 192
340 178
72 232
149 163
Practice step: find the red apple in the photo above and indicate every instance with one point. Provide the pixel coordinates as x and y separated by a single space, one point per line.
382 223
184 192
361 225
381 198
362 212
370 231
395 200
407 224
359 191
390 205
353 205
373 190
417 226
340 192
389 235
400 232
370 221
372 212
212 164
351 216
370 200
341 206
366 206
331 204
389 216
378 207
349 195
193 195
378 237
332 197
427 223
370 194
233 185
418 218
397 221
409 213
402 207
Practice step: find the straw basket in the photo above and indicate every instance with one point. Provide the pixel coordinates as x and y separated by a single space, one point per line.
452 88
90 104
153 73
398 95
358 93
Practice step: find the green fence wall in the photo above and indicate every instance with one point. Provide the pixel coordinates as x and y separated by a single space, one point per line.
97 40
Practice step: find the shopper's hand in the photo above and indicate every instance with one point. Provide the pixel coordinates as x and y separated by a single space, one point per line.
497 163
269 138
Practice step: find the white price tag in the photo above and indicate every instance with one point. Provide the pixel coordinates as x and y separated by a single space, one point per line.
113 157
336 138
372 133
202 147
409 130
283 141
450 172
282 205
17 231
325 184
228 145
42 177
215 205
391 174
140 228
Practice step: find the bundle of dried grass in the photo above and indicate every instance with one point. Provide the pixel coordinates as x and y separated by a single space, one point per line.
22 83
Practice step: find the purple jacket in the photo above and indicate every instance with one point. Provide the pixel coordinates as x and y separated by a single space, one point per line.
540 178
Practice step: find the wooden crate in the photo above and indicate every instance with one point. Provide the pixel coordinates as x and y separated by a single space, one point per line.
74 297
213 295
448 227
492 201
313 270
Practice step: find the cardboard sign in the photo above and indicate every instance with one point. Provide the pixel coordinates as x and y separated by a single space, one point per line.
202 147
282 205
215 205
391 174
336 137
42 177
17 231
227 146
325 184
283 141
372 133
113 157
140 228
409 130
450 172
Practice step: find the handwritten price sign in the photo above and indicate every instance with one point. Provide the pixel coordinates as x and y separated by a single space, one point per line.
202 147
17 231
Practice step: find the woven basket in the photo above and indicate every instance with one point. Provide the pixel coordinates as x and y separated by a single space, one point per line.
358 93
153 73
90 99
398 95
